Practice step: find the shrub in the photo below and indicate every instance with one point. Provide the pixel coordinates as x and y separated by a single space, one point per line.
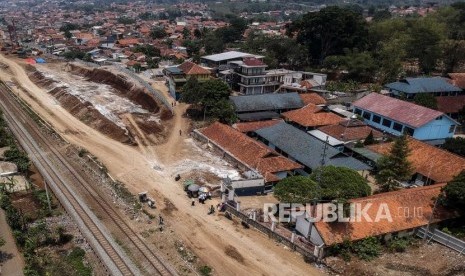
367 249
399 244
205 270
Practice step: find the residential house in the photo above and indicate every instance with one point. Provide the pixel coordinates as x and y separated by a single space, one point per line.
247 74
250 127
265 106
402 211
350 131
451 105
178 75
409 87
306 149
395 116
310 117
430 164
217 60
247 153
312 98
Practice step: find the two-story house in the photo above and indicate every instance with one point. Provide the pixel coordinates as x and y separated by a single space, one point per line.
178 75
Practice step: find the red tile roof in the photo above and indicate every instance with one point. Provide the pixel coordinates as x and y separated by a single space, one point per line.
397 110
310 116
252 126
440 165
408 208
450 104
249 151
457 79
190 68
350 133
312 98
251 61
128 41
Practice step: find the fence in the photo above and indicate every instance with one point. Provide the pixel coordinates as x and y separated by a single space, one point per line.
442 238
306 251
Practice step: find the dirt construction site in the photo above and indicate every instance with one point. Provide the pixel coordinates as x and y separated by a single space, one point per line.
145 145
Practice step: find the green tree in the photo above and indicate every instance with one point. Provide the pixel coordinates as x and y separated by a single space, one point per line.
2 242
359 65
68 34
197 34
296 189
395 165
455 145
453 194
191 92
425 43
426 100
186 34
158 33
339 183
212 96
370 139
330 31
19 158
69 27
453 54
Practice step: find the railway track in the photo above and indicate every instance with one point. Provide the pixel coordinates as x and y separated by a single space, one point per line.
55 169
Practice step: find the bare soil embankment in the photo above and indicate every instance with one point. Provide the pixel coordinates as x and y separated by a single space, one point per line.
104 100
83 110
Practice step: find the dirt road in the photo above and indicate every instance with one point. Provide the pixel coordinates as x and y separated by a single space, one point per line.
13 264
211 237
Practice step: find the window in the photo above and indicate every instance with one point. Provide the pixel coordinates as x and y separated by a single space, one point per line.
397 127
387 123
358 111
452 129
409 131
367 115
376 119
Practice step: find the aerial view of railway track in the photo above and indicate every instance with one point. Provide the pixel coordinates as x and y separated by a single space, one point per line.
61 177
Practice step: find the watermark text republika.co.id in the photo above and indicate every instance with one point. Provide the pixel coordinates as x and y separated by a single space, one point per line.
339 212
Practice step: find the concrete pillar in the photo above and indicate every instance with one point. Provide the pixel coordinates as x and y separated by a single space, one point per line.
254 216
223 197
238 206
273 226
293 237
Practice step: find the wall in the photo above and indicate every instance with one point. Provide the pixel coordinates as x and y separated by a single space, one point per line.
436 129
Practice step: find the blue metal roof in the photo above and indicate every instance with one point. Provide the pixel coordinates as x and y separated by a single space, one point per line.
423 85
307 149
267 102
173 70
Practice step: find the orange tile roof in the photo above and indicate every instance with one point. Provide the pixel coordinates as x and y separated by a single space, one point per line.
350 133
249 151
312 98
252 126
408 208
309 116
190 68
440 165
128 41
